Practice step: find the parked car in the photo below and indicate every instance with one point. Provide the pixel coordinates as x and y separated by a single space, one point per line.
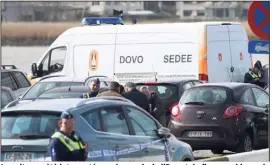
222 116
104 123
14 79
7 96
169 91
65 92
53 81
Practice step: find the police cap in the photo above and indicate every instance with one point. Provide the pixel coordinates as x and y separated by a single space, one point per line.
66 115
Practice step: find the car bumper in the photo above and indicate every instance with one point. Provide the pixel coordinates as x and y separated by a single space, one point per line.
226 138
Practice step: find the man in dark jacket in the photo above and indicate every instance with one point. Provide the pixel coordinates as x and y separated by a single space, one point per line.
157 108
94 86
136 96
114 90
255 75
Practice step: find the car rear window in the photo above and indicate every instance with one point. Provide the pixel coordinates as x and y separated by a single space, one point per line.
62 95
205 95
164 91
23 125
40 87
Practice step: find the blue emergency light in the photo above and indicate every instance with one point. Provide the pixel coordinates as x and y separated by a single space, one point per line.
102 20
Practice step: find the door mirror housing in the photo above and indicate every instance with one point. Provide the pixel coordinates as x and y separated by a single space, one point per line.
34 69
163 132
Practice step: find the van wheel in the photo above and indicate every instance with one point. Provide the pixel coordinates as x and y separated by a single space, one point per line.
245 143
217 151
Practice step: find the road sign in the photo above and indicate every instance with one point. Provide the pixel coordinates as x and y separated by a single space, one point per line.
258 47
258 18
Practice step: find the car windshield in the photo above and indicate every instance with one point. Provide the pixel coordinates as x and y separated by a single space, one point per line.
204 95
40 87
62 95
164 91
28 125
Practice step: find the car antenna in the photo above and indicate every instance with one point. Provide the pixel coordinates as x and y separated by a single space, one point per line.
154 74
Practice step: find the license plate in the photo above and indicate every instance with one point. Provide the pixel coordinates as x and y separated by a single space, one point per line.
19 156
200 134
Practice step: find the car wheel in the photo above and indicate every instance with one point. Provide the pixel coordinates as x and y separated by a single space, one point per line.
245 144
217 151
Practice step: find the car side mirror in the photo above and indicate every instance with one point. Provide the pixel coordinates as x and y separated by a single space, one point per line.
163 132
34 69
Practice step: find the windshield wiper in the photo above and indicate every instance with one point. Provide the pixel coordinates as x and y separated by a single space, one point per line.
195 103
33 136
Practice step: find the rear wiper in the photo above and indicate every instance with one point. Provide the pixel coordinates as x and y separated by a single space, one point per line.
195 103
33 136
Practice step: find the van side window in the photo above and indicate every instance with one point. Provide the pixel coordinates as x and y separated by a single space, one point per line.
56 63
57 59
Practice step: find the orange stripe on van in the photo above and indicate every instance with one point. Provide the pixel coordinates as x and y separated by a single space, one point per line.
202 53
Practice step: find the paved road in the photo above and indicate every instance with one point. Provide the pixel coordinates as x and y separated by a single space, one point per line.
23 57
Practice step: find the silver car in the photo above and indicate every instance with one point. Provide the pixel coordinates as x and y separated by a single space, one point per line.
107 124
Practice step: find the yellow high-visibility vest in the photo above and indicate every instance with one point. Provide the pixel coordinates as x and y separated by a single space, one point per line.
69 143
254 75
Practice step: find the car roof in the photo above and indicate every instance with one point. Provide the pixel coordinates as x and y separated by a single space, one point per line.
231 85
67 79
50 104
60 105
176 81
68 89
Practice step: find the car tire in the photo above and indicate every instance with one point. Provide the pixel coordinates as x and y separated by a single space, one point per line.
217 151
245 143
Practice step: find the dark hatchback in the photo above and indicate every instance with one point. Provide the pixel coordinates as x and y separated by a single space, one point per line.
222 116
169 91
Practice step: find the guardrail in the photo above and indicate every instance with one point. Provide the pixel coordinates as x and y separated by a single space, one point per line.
253 156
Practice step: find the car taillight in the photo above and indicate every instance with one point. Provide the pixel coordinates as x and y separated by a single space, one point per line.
171 106
232 111
203 77
175 112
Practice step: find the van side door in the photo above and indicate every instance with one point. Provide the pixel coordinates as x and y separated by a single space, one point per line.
218 53
240 58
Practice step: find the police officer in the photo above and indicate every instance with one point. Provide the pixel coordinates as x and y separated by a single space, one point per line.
64 144
94 86
255 76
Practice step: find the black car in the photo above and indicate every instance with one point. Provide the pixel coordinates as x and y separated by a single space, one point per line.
14 79
222 116
169 91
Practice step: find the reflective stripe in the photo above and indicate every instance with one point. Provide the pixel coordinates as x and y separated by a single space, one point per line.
69 143
253 75
85 95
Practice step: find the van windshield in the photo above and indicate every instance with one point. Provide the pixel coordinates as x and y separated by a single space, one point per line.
204 95
41 87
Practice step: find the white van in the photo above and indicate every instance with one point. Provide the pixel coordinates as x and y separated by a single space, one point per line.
209 51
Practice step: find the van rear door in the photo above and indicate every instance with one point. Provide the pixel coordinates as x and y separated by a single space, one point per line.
240 58
218 53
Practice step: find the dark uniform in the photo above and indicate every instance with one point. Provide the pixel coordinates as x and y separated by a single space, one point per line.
255 78
96 84
63 147
157 108
137 98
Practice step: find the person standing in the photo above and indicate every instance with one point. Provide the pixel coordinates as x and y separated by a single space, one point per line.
64 144
114 90
94 86
255 76
137 97
157 108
